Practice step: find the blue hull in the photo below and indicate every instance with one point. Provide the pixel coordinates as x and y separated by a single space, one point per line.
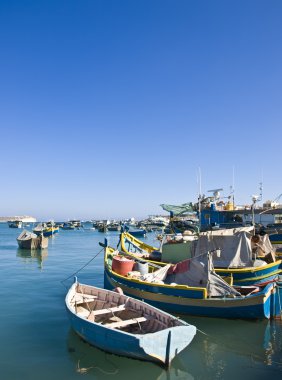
275 238
138 233
276 301
159 346
50 233
256 306
253 275
109 341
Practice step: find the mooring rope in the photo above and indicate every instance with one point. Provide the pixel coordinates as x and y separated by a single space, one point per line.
85 265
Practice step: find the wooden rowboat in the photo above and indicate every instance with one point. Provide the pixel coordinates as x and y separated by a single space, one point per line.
29 240
125 326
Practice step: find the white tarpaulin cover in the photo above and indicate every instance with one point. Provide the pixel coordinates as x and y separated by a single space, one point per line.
195 272
199 272
234 246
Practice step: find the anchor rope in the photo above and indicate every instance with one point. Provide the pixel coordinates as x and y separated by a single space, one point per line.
85 265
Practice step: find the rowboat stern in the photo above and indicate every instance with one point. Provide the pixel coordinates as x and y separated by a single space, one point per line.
164 345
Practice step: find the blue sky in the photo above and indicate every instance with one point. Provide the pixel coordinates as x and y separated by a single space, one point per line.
109 108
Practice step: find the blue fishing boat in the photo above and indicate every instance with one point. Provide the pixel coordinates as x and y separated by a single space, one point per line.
68 226
47 229
190 287
247 259
274 231
125 326
15 224
135 231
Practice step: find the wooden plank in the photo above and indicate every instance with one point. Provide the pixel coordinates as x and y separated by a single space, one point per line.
84 298
125 323
83 313
108 310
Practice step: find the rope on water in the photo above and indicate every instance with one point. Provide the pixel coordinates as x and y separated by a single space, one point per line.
85 265
202 332
84 370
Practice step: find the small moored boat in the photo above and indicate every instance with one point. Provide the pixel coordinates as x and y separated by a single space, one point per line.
48 229
125 326
29 240
15 224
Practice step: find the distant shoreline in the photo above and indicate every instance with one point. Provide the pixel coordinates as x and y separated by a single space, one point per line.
23 218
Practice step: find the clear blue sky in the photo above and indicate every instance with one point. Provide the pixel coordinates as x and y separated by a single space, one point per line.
108 108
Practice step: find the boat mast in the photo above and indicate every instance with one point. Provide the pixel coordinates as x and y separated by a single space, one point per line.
199 198
233 186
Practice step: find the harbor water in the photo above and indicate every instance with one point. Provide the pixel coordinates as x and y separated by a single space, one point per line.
38 343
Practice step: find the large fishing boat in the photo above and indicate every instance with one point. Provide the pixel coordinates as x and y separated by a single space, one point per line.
190 287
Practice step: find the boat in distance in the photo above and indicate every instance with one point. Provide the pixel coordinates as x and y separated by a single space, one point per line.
29 240
47 229
15 224
122 325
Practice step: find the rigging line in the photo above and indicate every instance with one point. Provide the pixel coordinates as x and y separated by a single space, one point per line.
82 266
202 332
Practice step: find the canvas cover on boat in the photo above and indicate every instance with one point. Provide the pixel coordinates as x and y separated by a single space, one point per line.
157 276
178 210
195 272
199 272
263 248
231 247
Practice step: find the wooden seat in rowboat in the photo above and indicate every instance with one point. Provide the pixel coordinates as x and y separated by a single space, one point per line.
114 322
127 322
84 298
108 310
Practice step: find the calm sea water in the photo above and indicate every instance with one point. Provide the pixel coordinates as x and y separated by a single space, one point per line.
37 342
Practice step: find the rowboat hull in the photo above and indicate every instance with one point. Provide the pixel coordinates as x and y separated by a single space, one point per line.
28 240
160 347
33 244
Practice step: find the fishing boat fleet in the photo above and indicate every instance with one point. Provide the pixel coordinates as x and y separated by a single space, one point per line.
223 274
213 263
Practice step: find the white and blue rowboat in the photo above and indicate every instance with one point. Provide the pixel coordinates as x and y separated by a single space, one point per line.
125 326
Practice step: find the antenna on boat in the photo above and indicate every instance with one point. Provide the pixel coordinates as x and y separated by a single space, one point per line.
232 188
216 193
199 197
260 188
255 198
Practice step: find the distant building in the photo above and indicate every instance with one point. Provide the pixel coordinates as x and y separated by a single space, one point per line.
22 218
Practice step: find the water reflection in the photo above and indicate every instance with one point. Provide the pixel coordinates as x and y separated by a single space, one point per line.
94 362
33 255
223 344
